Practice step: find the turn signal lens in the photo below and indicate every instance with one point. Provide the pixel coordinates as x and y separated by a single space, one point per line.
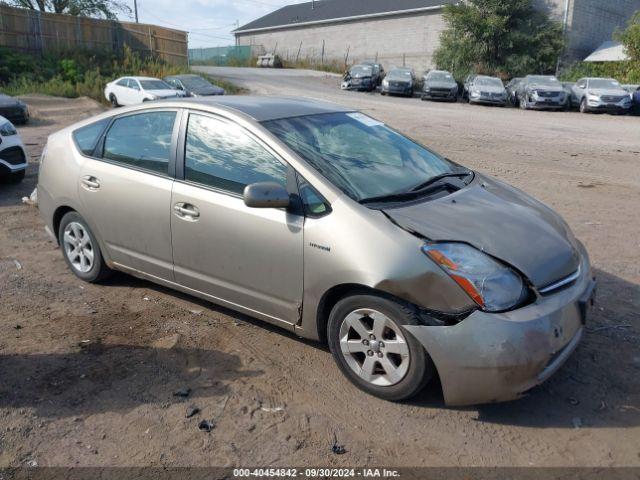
494 287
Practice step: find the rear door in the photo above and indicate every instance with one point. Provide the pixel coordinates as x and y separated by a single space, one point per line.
125 190
246 257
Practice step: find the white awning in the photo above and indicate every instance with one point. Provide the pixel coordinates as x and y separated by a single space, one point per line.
608 52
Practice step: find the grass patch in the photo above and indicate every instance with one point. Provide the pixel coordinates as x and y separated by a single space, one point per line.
83 73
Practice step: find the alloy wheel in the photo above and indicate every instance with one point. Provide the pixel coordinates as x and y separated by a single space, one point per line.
78 247
374 347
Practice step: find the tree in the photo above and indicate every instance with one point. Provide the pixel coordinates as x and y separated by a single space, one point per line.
498 37
81 8
630 38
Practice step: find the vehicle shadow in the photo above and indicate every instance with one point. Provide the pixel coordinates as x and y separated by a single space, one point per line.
598 387
105 378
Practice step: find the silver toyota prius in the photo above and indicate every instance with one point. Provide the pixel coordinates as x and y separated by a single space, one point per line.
331 224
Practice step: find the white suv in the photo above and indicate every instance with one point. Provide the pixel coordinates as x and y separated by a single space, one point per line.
13 156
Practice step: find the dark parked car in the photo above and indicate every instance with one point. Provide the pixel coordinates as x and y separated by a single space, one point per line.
512 90
378 71
399 81
361 77
13 109
194 85
542 92
439 85
486 90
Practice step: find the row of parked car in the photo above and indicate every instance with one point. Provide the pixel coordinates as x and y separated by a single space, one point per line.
530 92
136 90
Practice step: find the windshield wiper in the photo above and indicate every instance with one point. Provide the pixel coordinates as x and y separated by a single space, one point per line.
414 192
437 178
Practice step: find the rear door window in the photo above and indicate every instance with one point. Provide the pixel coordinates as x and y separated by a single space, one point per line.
87 137
142 141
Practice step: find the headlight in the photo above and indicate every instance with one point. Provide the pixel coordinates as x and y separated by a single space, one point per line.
490 284
593 98
151 97
7 129
475 93
385 83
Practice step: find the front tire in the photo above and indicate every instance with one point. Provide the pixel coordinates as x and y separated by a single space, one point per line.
583 106
114 101
523 104
81 250
374 351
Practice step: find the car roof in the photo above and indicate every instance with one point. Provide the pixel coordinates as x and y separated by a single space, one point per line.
184 75
262 109
142 78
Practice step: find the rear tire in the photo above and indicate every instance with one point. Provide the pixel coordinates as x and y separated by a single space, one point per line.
81 250
374 351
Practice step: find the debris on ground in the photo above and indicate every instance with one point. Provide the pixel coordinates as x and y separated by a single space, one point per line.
18 327
31 199
337 449
17 264
577 422
183 392
192 410
573 401
272 409
206 425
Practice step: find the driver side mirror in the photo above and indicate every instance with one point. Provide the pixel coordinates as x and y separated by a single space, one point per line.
266 195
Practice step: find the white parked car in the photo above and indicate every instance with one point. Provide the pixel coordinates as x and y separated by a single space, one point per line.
135 90
13 156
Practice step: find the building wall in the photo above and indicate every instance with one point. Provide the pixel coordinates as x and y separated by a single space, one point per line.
409 40
594 21
589 22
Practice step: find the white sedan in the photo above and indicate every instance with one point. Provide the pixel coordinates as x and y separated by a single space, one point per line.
135 90
13 156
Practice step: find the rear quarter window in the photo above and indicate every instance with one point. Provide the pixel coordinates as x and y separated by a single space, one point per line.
87 137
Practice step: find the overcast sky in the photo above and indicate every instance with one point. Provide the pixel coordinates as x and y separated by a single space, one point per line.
209 22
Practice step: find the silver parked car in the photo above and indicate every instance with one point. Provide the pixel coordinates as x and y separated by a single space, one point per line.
542 92
329 223
600 95
486 90
399 81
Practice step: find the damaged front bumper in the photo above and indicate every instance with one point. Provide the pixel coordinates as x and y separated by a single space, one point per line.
494 357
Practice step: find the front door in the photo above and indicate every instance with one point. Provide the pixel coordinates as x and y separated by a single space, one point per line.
245 257
126 192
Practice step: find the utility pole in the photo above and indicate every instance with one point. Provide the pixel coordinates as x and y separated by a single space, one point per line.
135 9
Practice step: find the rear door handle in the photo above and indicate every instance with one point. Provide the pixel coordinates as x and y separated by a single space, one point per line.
186 211
89 182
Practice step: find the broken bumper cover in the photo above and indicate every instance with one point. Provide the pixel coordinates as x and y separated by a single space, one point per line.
494 357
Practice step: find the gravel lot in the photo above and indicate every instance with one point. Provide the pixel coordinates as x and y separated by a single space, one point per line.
88 372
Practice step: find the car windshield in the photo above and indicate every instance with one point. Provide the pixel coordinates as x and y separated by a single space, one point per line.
488 82
195 82
604 83
544 81
361 70
361 156
154 85
440 77
399 74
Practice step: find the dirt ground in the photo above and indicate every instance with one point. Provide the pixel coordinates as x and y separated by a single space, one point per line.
88 372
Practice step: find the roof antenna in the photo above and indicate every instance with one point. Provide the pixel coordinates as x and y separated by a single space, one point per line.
313 4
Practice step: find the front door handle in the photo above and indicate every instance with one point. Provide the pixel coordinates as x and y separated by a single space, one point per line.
90 182
186 211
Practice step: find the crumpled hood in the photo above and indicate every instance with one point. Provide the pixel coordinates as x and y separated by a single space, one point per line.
547 88
501 221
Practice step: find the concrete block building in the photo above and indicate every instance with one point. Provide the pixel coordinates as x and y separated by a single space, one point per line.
406 32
